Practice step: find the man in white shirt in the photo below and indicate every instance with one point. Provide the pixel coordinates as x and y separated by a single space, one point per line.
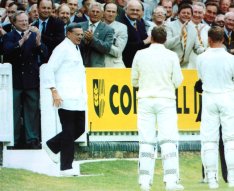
156 71
65 76
216 70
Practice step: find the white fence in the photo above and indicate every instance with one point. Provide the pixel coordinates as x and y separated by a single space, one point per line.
6 106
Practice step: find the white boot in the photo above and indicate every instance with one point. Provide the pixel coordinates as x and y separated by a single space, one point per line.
173 186
145 187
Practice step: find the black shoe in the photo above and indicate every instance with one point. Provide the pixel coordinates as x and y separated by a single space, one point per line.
34 145
17 146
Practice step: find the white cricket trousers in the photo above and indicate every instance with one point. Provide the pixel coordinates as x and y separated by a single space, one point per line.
217 109
160 112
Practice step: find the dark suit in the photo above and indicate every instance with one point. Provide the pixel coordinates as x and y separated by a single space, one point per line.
80 19
94 52
135 41
25 70
120 14
8 28
229 45
54 34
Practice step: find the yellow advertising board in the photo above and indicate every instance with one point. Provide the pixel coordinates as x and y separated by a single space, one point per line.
112 104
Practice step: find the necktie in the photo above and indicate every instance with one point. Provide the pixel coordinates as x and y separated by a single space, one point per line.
199 35
184 35
77 47
22 34
135 25
43 27
92 27
229 38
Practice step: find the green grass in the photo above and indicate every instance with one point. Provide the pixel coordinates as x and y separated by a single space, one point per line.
120 175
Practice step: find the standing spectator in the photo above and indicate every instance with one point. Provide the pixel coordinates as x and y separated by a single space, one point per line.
5 3
224 6
231 8
22 48
31 2
137 35
65 76
98 37
23 4
216 71
33 13
120 10
64 15
201 29
83 12
114 58
167 4
158 18
156 71
52 29
182 35
219 20
11 10
211 13
228 32
73 5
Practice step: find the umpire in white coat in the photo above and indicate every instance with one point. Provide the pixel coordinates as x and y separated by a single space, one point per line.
65 76
156 71
216 71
